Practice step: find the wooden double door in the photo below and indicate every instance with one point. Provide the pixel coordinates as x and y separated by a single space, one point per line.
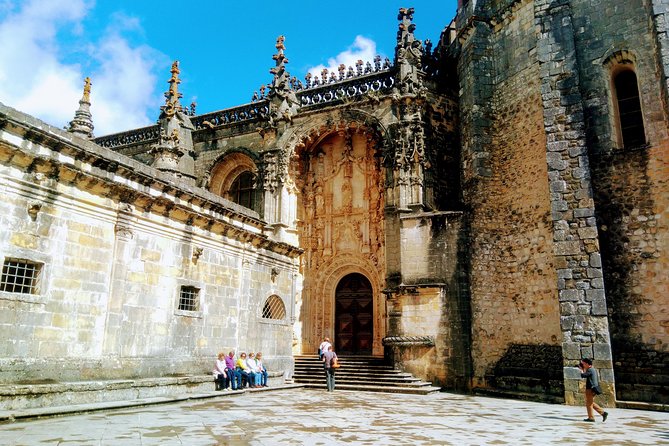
354 321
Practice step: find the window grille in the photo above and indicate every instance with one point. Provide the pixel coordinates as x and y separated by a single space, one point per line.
274 308
189 298
20 276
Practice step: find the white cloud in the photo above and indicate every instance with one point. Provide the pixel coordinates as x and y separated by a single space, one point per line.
36 78
362 49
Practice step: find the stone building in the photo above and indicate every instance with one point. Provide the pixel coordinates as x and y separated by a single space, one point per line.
483 212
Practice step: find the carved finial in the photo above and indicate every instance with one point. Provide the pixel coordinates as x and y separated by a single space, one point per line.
172 95
358 67
87 90
193 106
283 101
406 27
82 124
409 49
279 44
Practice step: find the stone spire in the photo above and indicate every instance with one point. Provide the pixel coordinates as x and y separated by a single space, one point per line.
172 95
408 53
82 124
283 101
409 160
174 154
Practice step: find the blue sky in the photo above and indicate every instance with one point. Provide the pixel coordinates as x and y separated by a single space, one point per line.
224 48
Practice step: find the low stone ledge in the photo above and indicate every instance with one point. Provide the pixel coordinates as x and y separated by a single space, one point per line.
35 396
72 409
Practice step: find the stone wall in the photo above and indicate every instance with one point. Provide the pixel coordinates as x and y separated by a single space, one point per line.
631 186
513 274
117 241
429 317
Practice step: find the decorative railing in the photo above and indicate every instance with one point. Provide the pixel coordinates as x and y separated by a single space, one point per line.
235 115
322 93
357 86
138 136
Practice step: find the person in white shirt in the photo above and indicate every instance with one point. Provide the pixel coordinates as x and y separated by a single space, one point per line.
254 373
325 346
220 375
263 370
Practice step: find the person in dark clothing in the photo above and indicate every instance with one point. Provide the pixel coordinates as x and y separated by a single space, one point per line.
591 389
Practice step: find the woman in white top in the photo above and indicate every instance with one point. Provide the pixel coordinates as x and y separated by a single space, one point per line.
262 369
325 346
219 372
254 371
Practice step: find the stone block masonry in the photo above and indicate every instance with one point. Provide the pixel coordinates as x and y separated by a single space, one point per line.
585 331
114 251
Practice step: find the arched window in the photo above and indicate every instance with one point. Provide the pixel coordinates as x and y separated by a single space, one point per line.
242 190
274 308
630 118
234 177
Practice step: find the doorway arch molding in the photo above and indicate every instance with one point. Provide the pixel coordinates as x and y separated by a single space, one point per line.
325 287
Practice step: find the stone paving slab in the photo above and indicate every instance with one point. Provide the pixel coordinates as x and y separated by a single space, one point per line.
16 414
314 417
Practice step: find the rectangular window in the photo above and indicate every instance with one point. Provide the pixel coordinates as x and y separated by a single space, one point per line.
189 298
20 276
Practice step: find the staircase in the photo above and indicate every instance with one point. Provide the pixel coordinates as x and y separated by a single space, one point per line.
367 373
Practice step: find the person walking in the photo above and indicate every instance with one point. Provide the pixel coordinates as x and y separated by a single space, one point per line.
329 357
323 347
591 389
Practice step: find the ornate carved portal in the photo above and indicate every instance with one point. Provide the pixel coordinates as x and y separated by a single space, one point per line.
340 214
354 330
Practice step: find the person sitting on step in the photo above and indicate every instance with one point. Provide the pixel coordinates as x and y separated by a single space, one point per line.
263 370
255 371
244 371
220 375
234 377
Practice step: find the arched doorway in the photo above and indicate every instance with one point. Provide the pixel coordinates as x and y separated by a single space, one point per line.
354 327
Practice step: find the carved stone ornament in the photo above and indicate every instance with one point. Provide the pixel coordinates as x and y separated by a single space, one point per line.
33 209
197 252
123 227
82 124
408 341
284 103
408 55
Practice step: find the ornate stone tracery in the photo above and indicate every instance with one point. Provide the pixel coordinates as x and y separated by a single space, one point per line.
340 215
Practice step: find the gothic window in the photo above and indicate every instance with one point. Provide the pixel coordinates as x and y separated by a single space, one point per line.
630 117
274 308
189 298
234 177
20 276
242 190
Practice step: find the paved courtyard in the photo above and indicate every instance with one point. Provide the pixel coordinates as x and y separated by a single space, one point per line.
314 417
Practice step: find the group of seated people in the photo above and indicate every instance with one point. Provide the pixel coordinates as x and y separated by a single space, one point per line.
235 375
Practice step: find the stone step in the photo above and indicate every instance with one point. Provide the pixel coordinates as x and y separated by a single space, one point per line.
321 380
360 373
423 390
361 377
